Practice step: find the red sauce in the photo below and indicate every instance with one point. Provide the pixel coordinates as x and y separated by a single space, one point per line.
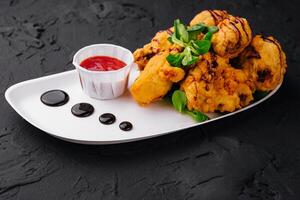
102 63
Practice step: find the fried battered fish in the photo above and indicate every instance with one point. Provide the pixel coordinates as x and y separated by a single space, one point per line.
213 85
265 62
155 80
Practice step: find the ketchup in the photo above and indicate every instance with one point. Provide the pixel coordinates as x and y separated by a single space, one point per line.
102 63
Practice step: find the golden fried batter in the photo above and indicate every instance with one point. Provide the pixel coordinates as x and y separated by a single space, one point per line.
158 44
170 73
155 80
265 62
209 17
213 85
233 37
234 32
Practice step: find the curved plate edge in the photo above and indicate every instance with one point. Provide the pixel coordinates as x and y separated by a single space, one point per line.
11 88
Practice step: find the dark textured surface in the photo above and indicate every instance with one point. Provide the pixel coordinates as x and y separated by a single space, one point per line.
252 156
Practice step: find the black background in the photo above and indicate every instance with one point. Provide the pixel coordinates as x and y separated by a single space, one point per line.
253 155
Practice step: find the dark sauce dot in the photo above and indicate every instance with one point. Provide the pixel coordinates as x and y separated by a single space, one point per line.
55 98
107 118
125 126
82 110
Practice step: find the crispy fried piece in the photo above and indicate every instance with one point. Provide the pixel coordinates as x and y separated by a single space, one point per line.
158 44
213 85
209 17
155 80
265 62
233 37
170 73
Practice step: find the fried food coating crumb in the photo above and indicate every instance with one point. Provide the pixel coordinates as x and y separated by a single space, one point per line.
155 80
213 85
233 37
224 79
157 45
265 62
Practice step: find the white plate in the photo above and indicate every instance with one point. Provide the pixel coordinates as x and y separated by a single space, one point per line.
151 121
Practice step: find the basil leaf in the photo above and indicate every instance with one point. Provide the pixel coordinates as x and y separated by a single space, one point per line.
212 29
197 116
170 40
202 46
179 100
175 59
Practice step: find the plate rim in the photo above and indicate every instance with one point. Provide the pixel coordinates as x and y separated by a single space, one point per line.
107 142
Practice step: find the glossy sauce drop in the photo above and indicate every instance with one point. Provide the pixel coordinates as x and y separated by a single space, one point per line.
55 98
82 110
125 126
102 63
107 118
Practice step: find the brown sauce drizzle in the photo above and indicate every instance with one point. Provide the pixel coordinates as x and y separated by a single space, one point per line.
277 45
253 53
217 17
169 31
212 13
243 26
279 50
238 34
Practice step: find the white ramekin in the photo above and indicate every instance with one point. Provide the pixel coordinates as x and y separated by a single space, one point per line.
104 84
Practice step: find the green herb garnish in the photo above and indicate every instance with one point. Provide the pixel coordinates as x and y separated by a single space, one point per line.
179 101
187 38
180 31
197 116
212 29
201 46
188 58
208 36
194 31
175 59
201 27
